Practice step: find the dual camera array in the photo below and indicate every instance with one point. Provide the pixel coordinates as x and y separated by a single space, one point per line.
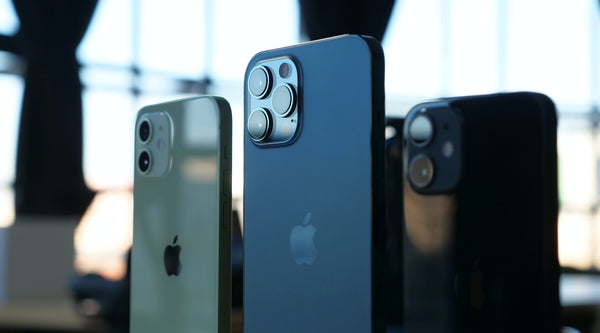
144 133
273 97
432 142
153 144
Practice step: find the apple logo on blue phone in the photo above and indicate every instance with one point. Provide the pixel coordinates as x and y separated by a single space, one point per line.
302 242
171 258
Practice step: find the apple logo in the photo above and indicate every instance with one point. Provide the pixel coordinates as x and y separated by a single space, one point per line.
302 242
172 263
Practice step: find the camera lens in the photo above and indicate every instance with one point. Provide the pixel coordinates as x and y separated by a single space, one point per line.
420 171
283 99
259 82
421 130
144 161
258 124
145 131
284 70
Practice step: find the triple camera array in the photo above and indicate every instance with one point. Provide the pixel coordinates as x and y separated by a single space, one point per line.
273 100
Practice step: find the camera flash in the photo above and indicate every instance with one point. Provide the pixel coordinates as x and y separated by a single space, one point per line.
160 144
447 149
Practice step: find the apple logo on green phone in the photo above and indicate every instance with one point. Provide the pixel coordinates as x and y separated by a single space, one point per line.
302 242
171 258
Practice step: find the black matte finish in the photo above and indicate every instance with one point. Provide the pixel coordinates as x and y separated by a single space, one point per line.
333 169
481 255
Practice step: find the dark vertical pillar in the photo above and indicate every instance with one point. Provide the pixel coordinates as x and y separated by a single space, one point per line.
335 17
49 177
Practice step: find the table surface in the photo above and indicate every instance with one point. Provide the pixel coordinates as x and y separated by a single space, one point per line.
575 290
62 316
40 315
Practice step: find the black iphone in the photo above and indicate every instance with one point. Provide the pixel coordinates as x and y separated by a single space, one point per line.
480 215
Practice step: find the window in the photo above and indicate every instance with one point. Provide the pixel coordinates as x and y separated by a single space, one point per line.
140 52
167 51
463 47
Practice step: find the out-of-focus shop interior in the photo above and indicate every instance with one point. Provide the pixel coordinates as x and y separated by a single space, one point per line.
119 55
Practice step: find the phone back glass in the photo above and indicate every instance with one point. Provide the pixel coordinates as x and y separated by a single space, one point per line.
481 255
187 202
327 181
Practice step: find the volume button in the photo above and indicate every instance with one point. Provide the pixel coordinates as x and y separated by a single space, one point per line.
225 152
226 183
226 214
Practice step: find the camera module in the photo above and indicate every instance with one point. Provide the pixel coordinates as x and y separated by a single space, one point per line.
421 171
144 161
273 101
421 130
259 82
259 124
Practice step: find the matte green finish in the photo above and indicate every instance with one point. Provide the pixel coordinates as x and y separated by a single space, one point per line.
190 200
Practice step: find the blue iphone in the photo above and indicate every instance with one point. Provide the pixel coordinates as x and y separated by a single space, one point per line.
314 188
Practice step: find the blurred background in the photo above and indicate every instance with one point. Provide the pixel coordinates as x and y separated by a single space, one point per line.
135 53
